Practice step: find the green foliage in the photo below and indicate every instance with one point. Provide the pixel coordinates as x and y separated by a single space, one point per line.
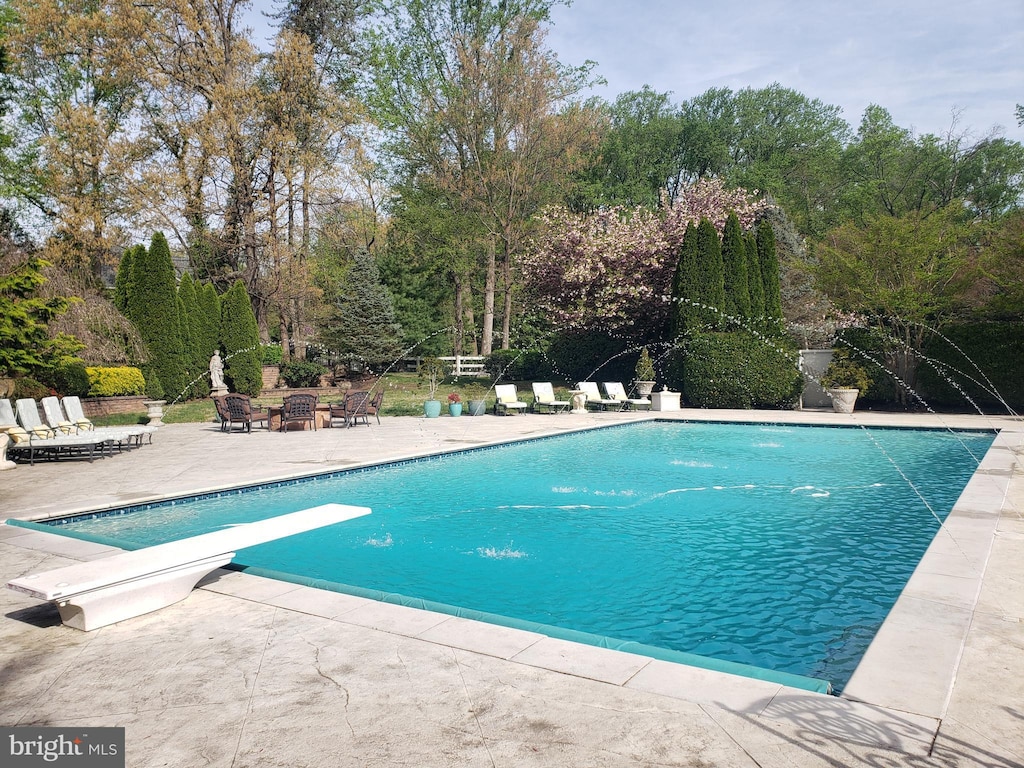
123 281
243 371
977 363
271 354
644 370
26 386
770 278
192 319
115 381
709 286
153 308
582 356
25 345
684 313
362 323
70 379
209 309
735 370
431 373
516 365
301 373
844 371
734 269
755 282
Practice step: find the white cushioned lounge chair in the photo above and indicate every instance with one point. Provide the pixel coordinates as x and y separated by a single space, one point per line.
544 398
615 391
595 400
72 406
507 400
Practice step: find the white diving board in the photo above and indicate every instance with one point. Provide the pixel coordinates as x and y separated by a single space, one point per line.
100 592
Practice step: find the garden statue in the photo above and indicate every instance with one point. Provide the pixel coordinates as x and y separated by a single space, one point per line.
217 372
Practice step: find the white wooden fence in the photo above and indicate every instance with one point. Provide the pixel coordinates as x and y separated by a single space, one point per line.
460 365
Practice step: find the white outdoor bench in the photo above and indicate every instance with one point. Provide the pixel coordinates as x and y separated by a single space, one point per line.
93 594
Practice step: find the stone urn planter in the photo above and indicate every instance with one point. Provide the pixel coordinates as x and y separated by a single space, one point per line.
644 388
843 399
155 411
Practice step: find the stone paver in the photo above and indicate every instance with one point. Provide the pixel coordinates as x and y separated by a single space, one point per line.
252 672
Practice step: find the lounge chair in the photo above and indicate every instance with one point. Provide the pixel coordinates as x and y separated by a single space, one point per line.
36 439
615 391
300 407
72 406
508 400
544 398
241 411
594 399
7 417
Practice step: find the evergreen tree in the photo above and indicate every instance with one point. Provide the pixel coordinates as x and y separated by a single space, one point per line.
710 286
25 343
153 308
769 260
754 281
684 314
209 308
243 366
123 281
363 323
734 269
193 322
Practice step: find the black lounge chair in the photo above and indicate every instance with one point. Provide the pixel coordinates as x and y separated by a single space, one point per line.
300 407
241 411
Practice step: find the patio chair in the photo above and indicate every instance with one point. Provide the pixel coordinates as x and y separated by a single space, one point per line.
594 399
222 412
615 391
72 406
55 417
357 406
7 417
373 407
508 400
240 411
347 409
544 398
300 407
24 443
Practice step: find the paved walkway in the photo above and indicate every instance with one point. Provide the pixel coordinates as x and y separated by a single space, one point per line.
253 672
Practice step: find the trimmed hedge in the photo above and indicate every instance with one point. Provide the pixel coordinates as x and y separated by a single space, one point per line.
114 381
70 379
735 370
301 373
953 376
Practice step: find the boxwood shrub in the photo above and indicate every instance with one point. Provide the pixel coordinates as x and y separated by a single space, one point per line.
735 370
115 381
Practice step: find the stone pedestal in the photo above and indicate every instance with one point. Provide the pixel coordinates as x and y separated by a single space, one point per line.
664 401
218 391
5 463
155 411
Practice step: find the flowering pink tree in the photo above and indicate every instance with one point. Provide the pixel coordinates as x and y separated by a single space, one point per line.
612 269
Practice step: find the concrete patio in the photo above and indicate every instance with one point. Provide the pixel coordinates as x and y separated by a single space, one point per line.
254 672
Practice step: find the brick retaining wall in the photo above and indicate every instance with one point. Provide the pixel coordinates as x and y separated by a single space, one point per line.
107 406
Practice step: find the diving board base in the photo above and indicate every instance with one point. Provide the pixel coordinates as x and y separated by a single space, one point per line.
100 607
100 592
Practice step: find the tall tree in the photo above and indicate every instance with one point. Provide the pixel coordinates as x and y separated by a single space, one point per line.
153 308
468 95
769 261
196 352
243 369
362 323
709 288
755 282
734 269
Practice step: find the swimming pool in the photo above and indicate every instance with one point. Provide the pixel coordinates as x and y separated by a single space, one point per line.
779 547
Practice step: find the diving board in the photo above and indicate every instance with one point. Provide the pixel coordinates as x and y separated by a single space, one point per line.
93 594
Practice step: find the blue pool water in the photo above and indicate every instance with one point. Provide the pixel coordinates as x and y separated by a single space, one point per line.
774 546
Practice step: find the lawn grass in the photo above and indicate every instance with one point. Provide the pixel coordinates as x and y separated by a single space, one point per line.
404 395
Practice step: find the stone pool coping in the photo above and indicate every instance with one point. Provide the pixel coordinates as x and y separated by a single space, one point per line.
897 699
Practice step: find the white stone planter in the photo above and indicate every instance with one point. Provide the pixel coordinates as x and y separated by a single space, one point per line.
644 388
155 411
843 399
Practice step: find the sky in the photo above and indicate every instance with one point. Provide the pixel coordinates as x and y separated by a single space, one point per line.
922 60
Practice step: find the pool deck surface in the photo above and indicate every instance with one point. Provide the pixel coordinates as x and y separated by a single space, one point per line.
249 671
